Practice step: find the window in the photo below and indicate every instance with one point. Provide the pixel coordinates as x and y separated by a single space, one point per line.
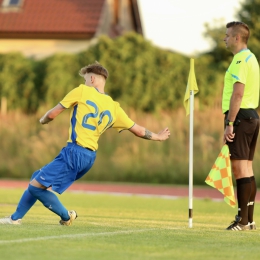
14 2
11 3
11 6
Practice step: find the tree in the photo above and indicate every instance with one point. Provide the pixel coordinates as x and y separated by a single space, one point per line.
249 14
61 77
141 76
17 82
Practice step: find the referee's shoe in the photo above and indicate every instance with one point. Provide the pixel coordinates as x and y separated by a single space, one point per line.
236 226
252 225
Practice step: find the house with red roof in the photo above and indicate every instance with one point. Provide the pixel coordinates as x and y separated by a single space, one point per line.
40 28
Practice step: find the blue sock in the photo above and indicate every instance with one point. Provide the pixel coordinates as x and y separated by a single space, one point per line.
25 203
50 201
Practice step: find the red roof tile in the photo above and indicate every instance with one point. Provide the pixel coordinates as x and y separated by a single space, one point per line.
53 16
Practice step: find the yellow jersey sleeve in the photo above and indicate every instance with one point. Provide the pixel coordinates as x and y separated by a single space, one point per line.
72 97
122 122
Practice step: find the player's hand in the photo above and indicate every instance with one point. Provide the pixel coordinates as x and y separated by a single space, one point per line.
228 134
45 120
41 121
164 134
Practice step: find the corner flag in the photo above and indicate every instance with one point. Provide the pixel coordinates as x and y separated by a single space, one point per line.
220 177
188 102
192 85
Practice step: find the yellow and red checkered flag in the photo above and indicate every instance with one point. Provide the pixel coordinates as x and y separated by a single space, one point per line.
220 177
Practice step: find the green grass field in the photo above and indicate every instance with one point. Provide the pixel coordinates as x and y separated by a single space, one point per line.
126 227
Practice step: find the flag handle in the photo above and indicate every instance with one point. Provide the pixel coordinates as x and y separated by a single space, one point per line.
191 159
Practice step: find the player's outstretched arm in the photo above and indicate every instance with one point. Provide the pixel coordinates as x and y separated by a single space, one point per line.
144 133
51 114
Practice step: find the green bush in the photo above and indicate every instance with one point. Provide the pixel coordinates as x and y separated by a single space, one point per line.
17 82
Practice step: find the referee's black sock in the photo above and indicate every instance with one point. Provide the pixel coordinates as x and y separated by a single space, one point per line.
252 199
243 195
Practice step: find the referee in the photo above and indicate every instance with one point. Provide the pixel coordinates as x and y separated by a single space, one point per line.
239 102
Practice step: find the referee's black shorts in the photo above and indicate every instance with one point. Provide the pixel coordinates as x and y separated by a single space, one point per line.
244 144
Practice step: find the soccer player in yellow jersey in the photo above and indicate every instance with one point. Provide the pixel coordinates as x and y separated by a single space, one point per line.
92 113
239 102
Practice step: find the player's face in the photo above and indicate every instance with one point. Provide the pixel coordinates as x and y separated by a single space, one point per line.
229 39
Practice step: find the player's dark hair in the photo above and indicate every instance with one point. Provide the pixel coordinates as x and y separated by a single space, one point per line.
241 28
95 68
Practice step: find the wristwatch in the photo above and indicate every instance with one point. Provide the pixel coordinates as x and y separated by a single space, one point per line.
227 122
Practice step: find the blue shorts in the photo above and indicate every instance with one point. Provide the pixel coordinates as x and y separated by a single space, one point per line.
71 164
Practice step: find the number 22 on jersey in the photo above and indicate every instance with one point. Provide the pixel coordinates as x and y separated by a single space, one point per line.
98 116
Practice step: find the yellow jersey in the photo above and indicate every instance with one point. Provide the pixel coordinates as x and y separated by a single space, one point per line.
92 114
244 68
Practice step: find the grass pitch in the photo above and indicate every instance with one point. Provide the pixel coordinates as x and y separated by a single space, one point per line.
126 227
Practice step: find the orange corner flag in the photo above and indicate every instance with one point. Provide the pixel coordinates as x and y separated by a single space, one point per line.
220 177
192 85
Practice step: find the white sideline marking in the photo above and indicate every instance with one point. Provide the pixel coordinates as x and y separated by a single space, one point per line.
127 194
75 236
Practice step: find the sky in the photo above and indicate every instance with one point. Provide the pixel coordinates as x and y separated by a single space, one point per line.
178 25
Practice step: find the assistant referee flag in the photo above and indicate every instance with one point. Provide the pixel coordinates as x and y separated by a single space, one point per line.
220 176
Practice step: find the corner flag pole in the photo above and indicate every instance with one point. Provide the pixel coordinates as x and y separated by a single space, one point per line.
191 159
188 102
